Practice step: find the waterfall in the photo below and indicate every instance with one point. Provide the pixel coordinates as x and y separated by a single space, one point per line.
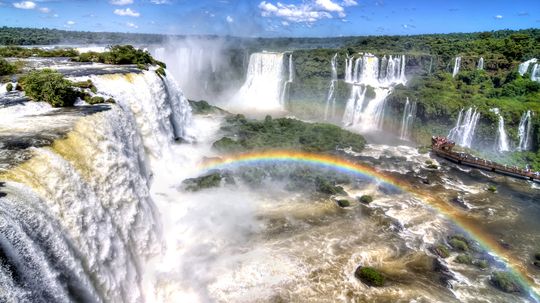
409 114
524 67
502 144
524 131
480 64
457 66
463 132
263 87
330 108
374 79
535 73
78 220
287 84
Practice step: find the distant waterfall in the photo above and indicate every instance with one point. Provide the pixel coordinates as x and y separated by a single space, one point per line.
524 131
457 66
480 65
264 83
535 73
330 109
463 132
374 78
287 84
78 221
502 137
524 67
409 113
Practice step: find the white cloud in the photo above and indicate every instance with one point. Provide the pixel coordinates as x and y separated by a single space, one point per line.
45 10
126 12
229 19
121 2
132 25
498 17
160 1
70 22
308 12
25 5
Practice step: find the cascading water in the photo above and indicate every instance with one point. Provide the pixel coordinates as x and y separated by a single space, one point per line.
409 114
457 66
287 84
480 65
264 83
535 73
375 79
524 67
330 109
502 137
524 131
463 132
77 219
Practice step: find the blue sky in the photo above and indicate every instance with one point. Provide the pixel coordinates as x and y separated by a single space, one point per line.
272 17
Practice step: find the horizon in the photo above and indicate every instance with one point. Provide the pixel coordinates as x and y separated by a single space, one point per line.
272 19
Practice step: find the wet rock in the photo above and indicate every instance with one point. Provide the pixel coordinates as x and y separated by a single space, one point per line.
388 189
212 179
426 181
366 199
445 274
506 282
2 194
460 202
505 245
369 276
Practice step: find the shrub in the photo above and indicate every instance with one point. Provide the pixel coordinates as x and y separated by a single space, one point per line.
505 282
441 250
370 276
9 87
459 242
6 68
464 259
482 264
366 199
95 100
343 203
492 188
49 86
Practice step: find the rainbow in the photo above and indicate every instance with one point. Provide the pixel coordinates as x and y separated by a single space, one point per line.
468 224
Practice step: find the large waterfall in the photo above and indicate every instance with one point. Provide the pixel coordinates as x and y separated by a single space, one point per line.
502 144
409 113
457 66
463 132
330 109
524 131
372 80
264 83
78 221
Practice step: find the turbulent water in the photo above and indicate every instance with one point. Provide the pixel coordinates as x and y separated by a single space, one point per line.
92 207
463 132
371 81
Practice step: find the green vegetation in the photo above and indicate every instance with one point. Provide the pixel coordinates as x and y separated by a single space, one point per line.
506 282
204 108
209 180
482 264
123 54
366 199
285 133
328 187
492 188
6 68
343 203
9 87
459 242
441 250
24 52
464 259
370 276
49 86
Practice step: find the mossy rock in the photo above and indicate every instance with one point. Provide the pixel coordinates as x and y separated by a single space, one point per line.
204 108
366 199
9 87
482 264
459 242
440 250
95 100
492 188
228 145
326 187
428 162
464 259
506 282
369 276
343 203
111 100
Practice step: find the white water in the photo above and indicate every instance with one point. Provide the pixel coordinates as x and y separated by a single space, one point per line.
480 65
409 113
378 75
463 132
85 201
330 109
502 144
524 67
524 131
457 66
535 73
287 84
262 90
